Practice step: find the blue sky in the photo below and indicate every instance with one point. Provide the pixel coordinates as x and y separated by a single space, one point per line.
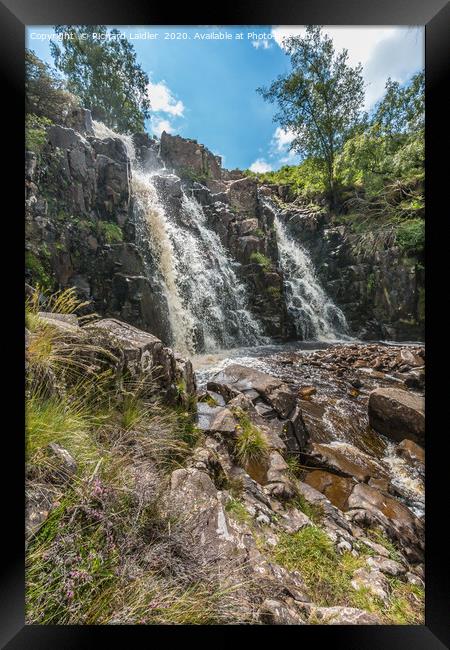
204 87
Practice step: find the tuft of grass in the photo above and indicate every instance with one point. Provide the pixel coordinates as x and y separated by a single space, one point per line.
238 511
327 574
312 510
380 537
250 445
67 421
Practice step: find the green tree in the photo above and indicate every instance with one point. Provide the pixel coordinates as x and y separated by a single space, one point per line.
402 108
45 94
320 100
101 69
392 144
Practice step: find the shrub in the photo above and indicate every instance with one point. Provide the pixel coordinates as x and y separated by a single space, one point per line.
36 132
411 236
262 260
111 232
38 271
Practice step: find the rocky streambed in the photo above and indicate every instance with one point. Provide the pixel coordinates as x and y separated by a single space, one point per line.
360 405
303 488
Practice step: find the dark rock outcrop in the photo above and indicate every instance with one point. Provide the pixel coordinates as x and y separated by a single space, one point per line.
398 414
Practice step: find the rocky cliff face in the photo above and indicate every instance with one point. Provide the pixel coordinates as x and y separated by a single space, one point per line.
81 231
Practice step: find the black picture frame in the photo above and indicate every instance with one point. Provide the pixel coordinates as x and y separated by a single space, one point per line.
14 16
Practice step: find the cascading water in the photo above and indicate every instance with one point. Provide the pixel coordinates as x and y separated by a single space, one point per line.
206 301
315 315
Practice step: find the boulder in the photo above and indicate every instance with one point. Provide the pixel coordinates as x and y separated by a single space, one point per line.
142 353
397 414
389 567
215 419
397 520
372 581
346 460
411 452
237 378
194 498
343 616
275 612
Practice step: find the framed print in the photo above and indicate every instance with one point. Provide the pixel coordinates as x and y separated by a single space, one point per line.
227 271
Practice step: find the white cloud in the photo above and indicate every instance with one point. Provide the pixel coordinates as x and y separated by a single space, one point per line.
395 52
159 125
282 138
162 100
260 166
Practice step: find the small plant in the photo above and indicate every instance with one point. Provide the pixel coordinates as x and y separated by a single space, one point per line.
238 511
250 445
36 132
38 271
312 510
111 232
264 262
274 292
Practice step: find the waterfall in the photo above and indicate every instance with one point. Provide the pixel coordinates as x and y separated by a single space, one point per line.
315 315
207 303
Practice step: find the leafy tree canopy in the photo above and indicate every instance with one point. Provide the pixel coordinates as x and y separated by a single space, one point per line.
45 93
103 72
320 100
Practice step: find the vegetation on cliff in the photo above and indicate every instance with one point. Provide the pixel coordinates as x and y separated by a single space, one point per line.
370 168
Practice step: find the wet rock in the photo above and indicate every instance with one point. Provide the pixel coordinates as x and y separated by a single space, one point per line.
397 520
371 580
411 452
168 186
381 484
306 392
239 378
397 414
415 379
346 459
336 488
408 357
343 616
